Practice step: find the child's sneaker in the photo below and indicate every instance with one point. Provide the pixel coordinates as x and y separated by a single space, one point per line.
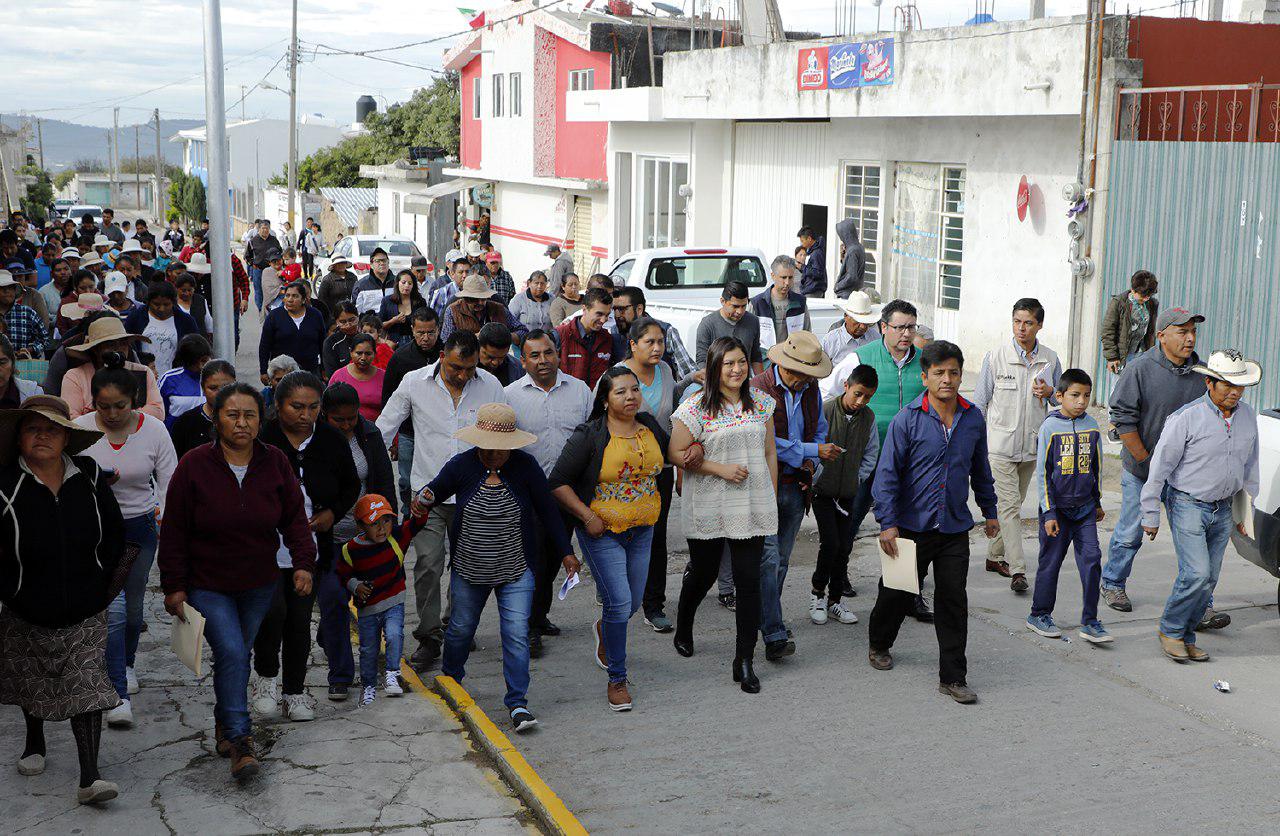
841 614
368 695
817 609
1044 626
522 719
1095 633
393 684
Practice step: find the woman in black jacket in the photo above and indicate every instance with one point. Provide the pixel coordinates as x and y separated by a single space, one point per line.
336 352
321 457
607 477
61 562
195 426
340 409
295 328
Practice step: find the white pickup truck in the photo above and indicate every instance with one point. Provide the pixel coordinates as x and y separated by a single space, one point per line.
682 285
1263 548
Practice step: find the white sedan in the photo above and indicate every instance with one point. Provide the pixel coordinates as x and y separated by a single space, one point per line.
359 248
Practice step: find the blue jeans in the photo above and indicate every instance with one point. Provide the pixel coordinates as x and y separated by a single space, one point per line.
620 565
255 277
1127 536
776 560
388 626
334 632
124 616
1082 534
515 599
404 464
231 623
1200 534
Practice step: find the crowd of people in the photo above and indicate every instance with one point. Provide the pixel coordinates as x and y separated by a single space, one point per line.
409 423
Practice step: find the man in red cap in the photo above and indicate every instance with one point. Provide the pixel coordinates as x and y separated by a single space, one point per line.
504 287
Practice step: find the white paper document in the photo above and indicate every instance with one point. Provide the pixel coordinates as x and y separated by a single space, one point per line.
187 638
569 583
900 572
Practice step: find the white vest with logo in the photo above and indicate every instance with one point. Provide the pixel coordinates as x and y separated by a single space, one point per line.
1015 414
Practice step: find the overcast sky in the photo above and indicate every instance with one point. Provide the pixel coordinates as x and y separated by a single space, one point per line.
76 59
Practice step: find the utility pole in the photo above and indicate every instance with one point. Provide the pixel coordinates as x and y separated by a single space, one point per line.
243 94
115 153
159 202
293 116
224 308
137 168
111 171
40 135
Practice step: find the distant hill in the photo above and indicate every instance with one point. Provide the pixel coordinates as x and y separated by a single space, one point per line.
66 142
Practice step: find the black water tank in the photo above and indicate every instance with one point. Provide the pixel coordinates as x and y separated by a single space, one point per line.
364 106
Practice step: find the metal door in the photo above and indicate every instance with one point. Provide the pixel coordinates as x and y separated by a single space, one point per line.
583 262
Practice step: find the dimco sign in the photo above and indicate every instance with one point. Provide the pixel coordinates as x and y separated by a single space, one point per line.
845 66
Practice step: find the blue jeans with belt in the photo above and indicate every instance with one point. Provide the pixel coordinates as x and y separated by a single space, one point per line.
777 559
232 620
1200 534
620 565
125 615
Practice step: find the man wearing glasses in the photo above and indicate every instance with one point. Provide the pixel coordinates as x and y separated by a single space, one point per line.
369 291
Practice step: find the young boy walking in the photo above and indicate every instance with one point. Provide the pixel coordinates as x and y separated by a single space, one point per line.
1068 464
372 567
851 426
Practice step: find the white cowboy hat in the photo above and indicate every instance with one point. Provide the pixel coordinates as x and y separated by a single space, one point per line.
70 252
474 250
495 429
339 259
1230 366
859 307
90 259
101 240
199 263
6 279
133 245
802 353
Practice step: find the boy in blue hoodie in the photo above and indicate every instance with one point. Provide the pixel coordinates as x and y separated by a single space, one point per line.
1068 465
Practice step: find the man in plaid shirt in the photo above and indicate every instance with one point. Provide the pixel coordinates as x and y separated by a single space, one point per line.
628 306
26 331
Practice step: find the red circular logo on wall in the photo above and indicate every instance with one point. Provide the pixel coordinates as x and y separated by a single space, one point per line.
1024 198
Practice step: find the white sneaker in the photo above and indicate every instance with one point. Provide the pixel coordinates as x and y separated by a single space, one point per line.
393 684
817 609
298 708
839 613
264 694
368 695
131 681
121 717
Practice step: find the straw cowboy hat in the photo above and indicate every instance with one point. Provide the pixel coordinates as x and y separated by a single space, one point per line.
90 259
1230 366
101 240
133 245
801 353
70 252
475 287
474 250
56 410
495 429
85 304
103 330
339 259
859 307
199 263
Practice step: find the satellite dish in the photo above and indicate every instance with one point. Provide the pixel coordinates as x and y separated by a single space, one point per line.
668 8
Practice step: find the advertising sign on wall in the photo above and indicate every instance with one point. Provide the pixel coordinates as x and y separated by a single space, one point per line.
846 66
811 72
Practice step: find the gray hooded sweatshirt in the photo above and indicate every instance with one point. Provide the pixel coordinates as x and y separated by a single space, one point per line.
853 267
1151 389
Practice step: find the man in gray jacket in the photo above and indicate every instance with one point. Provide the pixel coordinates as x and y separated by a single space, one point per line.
853 259
561 264
1151 388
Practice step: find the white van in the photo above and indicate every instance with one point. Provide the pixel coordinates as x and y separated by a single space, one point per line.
1263 548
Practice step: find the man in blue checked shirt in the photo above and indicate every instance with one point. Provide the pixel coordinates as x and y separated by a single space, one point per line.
933 451
26 332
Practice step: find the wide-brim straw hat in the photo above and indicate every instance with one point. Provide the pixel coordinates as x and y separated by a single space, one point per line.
90 259
860 308
56 410
85 304
475 287
339 259
495 429
801 353
103 330
199 263
1230 366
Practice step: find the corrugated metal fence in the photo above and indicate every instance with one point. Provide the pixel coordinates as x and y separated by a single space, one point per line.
1204 217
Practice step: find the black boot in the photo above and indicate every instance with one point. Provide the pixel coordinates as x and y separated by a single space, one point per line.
744 673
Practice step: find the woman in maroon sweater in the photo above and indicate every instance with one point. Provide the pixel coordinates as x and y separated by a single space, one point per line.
229 504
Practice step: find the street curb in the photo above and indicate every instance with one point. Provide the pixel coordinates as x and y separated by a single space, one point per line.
550 811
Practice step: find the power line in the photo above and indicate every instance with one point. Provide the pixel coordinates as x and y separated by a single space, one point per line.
257 83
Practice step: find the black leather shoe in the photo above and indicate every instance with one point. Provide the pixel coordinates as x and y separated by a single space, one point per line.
535 645
848 591
683 646
922 612
776 650
745 674
425 657
546 628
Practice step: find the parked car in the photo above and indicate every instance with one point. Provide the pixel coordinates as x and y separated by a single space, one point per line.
682 285
61 207
79 210
400 248
1263 548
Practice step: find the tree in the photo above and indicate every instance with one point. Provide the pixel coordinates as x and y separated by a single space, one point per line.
39 196
186 198
63 179
147 166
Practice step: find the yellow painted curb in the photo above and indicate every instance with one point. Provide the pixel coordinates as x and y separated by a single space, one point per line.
522 777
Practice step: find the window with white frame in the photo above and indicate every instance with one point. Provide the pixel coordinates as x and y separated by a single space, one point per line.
498 81
582 79
660 212
514 87
951 239
475 98
862 204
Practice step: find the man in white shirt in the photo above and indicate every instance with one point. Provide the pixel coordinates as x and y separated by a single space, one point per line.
549 405
440 399
852 333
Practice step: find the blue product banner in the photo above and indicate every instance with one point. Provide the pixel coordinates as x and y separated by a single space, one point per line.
875 62
843 66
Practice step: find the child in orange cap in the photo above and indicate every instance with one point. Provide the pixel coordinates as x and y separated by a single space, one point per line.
372 567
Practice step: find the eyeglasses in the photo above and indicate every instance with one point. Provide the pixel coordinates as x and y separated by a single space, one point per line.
903 329
381 261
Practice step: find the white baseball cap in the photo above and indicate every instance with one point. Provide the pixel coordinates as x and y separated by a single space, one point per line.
115 281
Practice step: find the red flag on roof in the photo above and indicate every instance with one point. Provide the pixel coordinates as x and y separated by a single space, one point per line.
477 21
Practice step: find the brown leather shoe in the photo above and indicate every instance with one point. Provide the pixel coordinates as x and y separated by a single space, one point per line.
244 763
601 660
1195 654
619 697
220 742
1000 567
958 691
1175 649
881 660
1019 583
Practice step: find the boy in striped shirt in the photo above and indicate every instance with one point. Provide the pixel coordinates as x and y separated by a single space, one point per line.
372 568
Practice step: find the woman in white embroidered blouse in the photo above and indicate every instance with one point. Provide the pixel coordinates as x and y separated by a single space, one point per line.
724 438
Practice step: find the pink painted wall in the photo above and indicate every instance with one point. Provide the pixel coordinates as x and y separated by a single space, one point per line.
579 146
545 93
470 127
